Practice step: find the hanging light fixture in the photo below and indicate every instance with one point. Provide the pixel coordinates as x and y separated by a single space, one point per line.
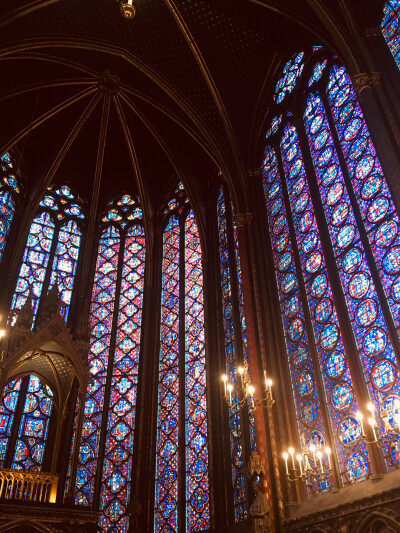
128 10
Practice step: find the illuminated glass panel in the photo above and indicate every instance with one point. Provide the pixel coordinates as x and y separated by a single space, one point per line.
390 27
34 264
115 492
101 314
291 72
7 411
238 477
166 505
34 426
7 209
65 262
197 489
380 218
309 421
358 286
319 293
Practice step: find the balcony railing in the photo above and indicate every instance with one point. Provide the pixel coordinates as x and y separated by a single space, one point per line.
28 486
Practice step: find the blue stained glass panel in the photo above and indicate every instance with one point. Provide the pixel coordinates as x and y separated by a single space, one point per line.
390 26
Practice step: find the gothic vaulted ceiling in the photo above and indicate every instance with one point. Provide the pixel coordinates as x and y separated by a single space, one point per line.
95 100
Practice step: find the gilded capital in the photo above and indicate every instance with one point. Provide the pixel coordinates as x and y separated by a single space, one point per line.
366 80
372 32
242 219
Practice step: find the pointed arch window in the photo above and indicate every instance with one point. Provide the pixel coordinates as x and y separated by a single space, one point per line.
334 234
25 416
51 251
182 446
107 440
9 190
390 26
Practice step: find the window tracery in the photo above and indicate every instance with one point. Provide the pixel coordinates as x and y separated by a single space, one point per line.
9 189
390 26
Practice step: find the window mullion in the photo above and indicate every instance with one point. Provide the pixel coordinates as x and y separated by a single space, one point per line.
49 268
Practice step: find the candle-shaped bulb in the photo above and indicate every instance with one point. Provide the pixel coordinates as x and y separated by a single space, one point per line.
224 378
251 390
328 452
230 389
286 456
360 417
291 451
370 408
372 422
300 460
240 370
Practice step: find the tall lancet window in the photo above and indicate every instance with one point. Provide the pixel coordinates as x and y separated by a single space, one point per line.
390 27
107 440
235 342
51 251
335 237
9 189
182 485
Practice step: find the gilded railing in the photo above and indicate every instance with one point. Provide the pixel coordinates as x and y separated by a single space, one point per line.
28 486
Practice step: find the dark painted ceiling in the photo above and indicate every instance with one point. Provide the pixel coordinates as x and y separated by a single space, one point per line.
172 91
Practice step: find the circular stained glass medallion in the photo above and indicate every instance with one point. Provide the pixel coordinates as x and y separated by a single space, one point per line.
319 286
279 224
390 407
385 234
378 209
383 375
298 186
299 355
366 312
346 112
391 261
342 396
316 123
329 175
276 207
334 194
285 261
301 202
349 431
359 285
288 283
342 96
352 129
335 364
273 191
323 310
291 306
295 168
325 156
282 242
345 236
315 439
309 242
364 167
296 329
374 342
309 412
371 187
339 214
351 260
356 466
320 140
306 221
305 383
314 262
329 336
291 152
357 147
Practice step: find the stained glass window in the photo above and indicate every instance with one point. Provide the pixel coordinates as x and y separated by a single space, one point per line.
116 316
7 413
359 228
390 27
182 367
9 189
34 426
54 238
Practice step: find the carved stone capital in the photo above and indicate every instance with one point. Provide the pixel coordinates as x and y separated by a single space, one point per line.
372 32
254 172
366 80
242 219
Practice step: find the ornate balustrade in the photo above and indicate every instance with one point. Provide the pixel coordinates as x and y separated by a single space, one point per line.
28 486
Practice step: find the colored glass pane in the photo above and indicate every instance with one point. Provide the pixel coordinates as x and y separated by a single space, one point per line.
369 184
166 509
34 264
317 72
319 293
7 411
117 466
34 426
101 318
390 27
291 72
